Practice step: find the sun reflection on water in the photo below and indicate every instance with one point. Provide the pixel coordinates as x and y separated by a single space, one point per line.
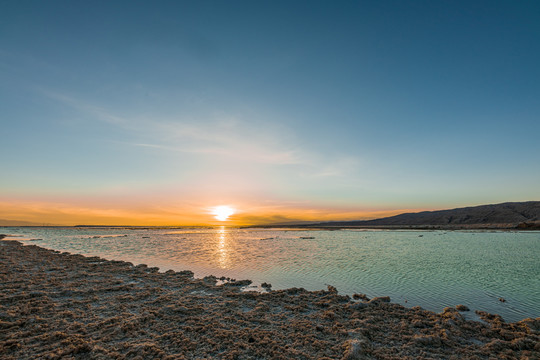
223 249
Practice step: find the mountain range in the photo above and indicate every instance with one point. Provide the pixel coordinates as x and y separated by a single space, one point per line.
522 215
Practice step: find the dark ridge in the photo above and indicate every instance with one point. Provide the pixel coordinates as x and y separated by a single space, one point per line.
520 215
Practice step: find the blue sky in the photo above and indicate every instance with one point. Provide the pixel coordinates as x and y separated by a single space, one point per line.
297 109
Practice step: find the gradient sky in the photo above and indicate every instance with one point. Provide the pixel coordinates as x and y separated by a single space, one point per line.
152 112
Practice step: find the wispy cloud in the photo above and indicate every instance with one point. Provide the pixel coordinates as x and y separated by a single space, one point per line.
255 142
224 136
99 112
341 166
222 139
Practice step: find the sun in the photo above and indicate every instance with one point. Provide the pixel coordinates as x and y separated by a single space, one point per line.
222 212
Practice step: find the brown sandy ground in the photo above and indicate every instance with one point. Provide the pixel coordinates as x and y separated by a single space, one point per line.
62 306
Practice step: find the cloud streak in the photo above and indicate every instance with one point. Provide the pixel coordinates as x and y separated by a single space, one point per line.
218 135
224 136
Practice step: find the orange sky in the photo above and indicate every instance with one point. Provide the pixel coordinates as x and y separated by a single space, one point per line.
71 212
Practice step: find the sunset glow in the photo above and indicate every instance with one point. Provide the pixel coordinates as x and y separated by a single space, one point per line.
222 213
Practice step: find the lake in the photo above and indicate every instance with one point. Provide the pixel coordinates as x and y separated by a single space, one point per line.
432 269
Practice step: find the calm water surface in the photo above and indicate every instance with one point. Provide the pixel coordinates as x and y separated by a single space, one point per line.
432 269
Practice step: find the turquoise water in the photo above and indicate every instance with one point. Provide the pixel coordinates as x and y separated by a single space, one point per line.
432 269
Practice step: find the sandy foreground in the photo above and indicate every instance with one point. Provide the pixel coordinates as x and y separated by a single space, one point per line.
58 305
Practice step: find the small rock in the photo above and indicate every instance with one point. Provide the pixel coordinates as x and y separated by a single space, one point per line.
427 340
238 283
489 317
462 308
332 289
359 305
210 279
355 349
185 273
380 299
360 297
534 324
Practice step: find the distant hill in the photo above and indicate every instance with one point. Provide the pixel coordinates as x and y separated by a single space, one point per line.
505 215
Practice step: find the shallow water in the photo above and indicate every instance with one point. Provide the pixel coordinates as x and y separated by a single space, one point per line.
432 269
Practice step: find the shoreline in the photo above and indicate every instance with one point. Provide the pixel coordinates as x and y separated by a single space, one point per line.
307 227
55 304
399 227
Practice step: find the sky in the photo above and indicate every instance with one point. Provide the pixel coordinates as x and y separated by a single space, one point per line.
155 112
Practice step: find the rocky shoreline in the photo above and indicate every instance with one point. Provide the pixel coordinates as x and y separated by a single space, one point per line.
58 305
